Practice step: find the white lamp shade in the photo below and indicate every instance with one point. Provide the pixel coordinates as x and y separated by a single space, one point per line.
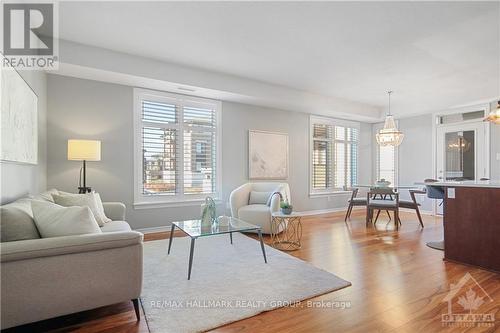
80 150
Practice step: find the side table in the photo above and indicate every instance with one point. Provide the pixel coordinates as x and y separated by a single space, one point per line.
286 231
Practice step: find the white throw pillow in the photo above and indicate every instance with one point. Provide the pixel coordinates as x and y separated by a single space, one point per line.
54 221
259 198
100 207
82 200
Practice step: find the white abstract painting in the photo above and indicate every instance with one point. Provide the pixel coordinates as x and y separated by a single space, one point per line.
267 155
19 119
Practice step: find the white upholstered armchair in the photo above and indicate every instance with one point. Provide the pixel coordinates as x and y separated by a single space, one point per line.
255 202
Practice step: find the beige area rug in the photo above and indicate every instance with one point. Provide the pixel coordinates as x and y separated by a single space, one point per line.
228 282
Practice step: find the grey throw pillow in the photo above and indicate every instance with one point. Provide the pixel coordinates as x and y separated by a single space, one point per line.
16 224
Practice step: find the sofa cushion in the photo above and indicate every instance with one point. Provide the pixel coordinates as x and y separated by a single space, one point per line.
16 221
83 200
259 198
114 226
255 213
54 221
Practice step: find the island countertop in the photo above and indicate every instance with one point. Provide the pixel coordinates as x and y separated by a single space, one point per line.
465 183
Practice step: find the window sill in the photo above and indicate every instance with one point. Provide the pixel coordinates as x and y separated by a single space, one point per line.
329 194
171 203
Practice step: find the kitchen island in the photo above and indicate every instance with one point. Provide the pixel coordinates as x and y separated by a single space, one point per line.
472 222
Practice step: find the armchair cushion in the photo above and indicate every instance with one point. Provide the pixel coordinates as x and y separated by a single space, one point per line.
255 214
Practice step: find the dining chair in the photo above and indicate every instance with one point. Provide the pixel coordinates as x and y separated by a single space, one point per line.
354 201
413 204
386 204
386 196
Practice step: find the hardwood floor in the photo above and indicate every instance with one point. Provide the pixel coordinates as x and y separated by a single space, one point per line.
398 284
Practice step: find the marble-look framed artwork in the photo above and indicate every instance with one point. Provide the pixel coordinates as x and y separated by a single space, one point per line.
19 118
267 155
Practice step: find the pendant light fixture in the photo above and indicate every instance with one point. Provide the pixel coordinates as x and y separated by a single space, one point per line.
389 135
494 115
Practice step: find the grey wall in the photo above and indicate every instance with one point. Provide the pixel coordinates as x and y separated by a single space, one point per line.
96 110
18 179
415 155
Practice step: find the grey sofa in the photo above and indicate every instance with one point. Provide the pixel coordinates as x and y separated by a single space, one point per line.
43 278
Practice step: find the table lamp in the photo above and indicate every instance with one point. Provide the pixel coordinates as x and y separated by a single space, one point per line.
84 150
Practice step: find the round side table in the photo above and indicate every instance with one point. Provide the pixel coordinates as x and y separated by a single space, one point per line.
286 231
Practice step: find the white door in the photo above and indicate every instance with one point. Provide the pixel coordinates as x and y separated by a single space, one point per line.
462 152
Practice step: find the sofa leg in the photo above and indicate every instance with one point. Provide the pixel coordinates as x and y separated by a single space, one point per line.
136 308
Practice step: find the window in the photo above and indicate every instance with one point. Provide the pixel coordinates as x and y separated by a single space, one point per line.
386 164
334 155
176 148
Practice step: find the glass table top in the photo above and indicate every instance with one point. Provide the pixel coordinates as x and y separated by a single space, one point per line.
223 225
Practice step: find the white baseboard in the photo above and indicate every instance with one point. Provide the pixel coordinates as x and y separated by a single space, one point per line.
423 212
323 211
154 229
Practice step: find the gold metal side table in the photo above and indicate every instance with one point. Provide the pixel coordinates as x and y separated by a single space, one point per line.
286 231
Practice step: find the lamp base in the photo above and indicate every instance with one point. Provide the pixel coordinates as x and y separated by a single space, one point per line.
83 190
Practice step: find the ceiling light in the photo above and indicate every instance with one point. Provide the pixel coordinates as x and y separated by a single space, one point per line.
494 115
389 135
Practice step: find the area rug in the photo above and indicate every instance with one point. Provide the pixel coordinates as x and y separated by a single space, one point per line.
228 282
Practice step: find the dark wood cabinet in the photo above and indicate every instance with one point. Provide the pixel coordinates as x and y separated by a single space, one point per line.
472 226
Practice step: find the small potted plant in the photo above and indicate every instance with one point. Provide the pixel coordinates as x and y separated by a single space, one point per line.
286 208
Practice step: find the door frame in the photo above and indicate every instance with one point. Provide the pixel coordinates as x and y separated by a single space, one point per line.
485 107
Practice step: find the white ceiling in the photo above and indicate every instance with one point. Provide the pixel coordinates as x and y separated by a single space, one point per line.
434 55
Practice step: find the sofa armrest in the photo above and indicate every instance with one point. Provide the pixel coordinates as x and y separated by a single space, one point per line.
114 210
238 198
55 246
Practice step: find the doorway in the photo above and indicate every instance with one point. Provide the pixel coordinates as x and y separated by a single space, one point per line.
462 152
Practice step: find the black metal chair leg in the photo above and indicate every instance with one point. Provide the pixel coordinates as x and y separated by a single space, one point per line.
135 301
